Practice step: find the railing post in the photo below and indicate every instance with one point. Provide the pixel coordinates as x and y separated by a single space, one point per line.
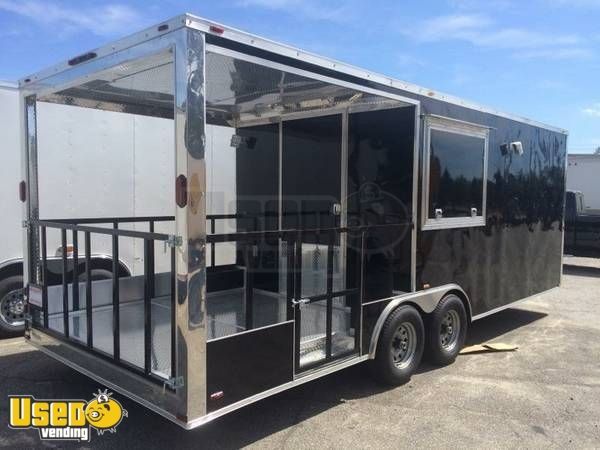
249 285
148 296
298 294
115 292
329 317
65 292
88 289
44 275
75 285
212 244
289 276
173 312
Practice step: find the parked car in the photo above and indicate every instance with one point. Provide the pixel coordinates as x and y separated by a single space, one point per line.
582 227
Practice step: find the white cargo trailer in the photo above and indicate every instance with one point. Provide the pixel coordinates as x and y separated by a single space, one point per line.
83 183
582 175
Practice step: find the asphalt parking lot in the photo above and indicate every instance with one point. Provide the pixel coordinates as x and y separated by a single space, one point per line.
546 394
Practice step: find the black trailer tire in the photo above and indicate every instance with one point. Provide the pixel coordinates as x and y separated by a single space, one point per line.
97 274
12 307
446 331
400 347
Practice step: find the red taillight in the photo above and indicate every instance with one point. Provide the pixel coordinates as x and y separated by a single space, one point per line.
23 191
215 29
181 191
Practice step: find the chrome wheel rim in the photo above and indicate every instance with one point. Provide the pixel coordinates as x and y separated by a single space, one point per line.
404 345
450 330
12 308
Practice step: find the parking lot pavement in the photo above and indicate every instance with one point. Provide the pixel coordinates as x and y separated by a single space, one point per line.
546 394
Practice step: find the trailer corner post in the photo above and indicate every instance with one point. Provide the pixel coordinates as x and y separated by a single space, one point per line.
190 283
31 246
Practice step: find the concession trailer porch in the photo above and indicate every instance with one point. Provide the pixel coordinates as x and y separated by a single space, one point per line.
304 216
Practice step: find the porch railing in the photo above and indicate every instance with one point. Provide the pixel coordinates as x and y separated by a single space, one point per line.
84 226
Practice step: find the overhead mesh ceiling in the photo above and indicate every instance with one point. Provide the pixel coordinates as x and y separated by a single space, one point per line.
240 92
142 86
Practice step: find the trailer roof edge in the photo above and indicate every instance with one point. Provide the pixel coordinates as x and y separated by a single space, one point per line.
243 37
8 85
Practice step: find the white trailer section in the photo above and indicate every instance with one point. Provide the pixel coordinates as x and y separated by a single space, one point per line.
95 161
583 175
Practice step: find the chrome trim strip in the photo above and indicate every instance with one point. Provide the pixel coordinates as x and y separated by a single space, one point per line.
190 222
284 387
415 198
427 300
459 127
249 331
511 305
562 247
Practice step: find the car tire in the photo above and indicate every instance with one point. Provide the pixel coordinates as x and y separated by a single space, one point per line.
12 307
400 347
446 331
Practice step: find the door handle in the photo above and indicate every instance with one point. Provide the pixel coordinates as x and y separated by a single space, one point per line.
336 209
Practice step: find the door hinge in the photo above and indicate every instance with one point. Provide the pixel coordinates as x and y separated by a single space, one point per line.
173 383
301 302
173 241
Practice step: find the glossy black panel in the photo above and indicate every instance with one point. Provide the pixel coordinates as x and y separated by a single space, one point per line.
380 186
246 364
518 252
455 174
312 150
257 177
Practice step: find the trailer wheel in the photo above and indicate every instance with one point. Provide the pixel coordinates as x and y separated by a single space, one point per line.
12 306
400 346
97 274
446 331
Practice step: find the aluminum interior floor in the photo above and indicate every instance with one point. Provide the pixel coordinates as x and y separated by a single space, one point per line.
226 316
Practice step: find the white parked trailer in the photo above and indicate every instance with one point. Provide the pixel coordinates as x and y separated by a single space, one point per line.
10 220
138 145
583 175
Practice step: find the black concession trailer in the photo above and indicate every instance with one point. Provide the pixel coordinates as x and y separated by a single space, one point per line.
321 215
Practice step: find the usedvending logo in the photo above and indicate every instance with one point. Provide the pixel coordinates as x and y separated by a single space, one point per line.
73 420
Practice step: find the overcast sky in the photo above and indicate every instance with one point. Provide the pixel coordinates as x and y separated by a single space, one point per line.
537 58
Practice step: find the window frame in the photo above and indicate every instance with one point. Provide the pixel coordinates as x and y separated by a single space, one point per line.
454 126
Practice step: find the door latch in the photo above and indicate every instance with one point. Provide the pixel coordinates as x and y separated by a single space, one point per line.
302 301
336 209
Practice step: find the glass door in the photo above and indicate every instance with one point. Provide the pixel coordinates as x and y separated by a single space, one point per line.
311 186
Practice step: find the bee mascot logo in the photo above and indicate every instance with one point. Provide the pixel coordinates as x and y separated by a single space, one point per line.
67 419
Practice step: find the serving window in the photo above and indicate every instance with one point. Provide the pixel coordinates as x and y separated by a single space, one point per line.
455 174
